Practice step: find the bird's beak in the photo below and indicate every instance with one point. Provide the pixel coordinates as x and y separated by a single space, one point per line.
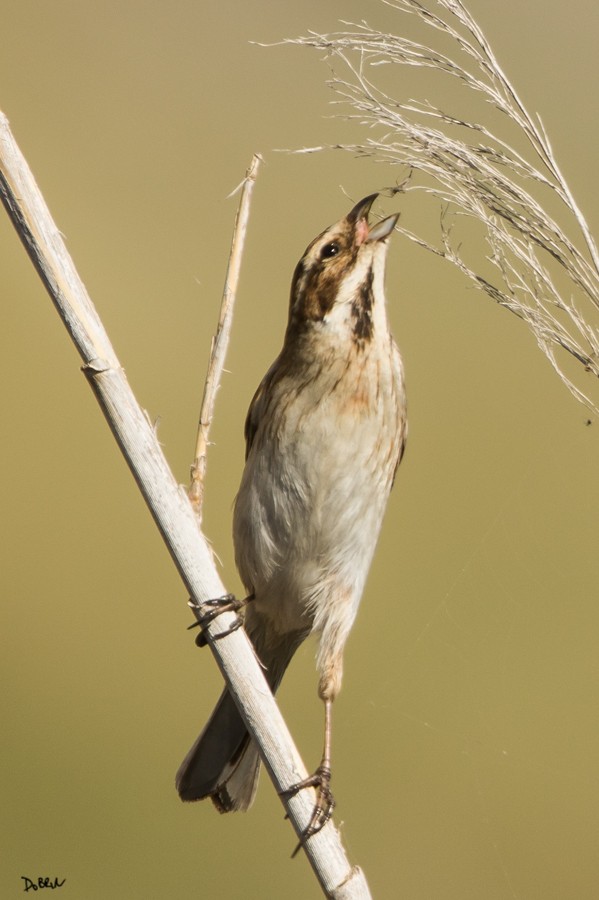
382 229
378 232
361 209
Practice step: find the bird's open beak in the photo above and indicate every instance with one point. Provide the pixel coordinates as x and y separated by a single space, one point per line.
379 231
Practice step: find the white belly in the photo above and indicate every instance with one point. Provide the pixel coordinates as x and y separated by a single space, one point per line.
312 498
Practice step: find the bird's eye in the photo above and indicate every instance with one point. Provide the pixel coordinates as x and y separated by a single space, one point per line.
330 250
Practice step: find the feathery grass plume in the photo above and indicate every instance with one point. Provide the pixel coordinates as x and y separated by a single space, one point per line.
532 266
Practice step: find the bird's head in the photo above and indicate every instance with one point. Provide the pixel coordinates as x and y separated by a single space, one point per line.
339 280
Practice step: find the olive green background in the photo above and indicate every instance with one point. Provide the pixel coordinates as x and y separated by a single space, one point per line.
466 738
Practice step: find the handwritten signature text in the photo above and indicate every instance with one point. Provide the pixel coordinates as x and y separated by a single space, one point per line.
31 885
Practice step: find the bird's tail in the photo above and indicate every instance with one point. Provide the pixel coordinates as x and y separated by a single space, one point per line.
224 764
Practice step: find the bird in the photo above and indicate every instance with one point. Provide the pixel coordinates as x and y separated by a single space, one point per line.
325 433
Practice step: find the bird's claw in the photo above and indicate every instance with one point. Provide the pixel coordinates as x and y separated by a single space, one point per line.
213 608
324 806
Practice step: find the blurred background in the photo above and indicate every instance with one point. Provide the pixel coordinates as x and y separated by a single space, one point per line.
466 737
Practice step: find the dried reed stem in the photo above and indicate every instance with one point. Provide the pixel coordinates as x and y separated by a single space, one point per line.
542 267
220 341
172 512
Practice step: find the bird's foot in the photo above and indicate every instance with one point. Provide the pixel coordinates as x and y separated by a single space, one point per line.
324 806
209 611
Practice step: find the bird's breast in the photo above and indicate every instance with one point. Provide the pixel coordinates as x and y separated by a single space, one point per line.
317 477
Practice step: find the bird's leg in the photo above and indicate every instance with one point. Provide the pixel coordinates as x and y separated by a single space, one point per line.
213 608
321 780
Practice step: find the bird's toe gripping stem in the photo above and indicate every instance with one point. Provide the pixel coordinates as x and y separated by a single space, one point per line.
325 802
209 611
